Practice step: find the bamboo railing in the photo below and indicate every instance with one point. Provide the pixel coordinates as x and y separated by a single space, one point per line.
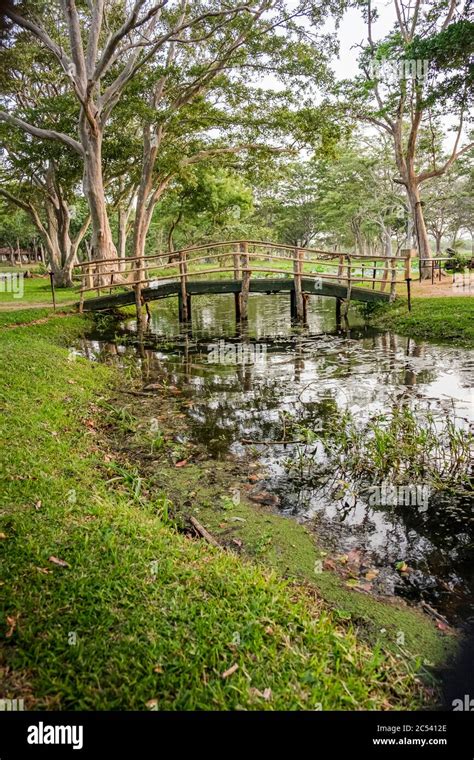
235 260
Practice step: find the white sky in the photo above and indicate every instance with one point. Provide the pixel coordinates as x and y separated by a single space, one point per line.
353 31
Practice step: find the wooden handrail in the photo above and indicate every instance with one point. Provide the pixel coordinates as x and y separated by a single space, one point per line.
176 264
260 243
136 272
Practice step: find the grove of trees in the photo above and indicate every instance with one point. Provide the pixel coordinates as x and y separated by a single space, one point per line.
130 126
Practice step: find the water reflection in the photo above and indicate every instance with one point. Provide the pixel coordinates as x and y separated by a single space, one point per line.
304 374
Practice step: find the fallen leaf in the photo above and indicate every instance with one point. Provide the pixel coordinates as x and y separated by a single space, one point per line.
352 583
3 535
152 704
371 574
158 669
237 542
231 670
44 570
58 562
182 463
266 694
264 497
402 567
38 504
11 622
364 587
442 626
328 564
72 382
353 557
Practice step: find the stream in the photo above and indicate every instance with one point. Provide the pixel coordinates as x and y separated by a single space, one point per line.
251 388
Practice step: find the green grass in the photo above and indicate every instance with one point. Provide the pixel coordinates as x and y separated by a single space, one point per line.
449 320
142 616
36 290
204 489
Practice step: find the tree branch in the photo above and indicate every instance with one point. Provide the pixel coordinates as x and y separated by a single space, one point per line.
38 31
44 134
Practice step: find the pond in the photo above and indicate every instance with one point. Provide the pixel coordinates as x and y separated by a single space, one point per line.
272 389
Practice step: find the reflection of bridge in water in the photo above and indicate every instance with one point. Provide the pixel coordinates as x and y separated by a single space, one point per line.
301 272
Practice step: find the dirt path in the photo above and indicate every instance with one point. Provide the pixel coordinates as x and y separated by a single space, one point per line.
445 288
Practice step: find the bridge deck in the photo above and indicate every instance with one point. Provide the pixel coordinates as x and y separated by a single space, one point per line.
319 287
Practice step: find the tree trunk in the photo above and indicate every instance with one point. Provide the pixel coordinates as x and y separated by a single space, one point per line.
122 224
102 244
18 254
423 245
387 251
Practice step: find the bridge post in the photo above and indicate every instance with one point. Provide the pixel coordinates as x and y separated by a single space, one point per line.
340 269
408 254
292 304
297 269
244 301
184 301
184 308
237 275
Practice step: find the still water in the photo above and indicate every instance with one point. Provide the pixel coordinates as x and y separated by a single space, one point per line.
248 390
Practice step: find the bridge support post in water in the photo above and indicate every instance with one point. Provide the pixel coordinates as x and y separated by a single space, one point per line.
292 305
305 307
184 308
297 270
244 299
184 301
138 304
237 276
338 313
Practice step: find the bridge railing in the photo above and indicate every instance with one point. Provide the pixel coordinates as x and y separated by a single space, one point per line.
238 260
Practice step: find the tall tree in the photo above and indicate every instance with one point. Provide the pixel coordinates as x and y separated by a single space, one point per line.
421 66
100 47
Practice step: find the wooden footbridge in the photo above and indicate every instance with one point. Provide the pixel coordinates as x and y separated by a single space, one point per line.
242 267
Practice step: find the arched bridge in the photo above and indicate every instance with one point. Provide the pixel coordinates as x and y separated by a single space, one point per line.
243 267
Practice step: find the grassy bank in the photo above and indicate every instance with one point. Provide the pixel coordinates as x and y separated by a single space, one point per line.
108 606
196 485
444 320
